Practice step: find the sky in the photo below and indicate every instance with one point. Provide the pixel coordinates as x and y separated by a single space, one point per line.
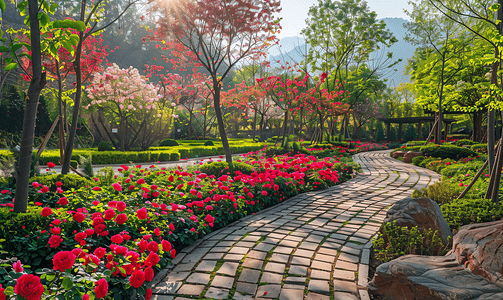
294 13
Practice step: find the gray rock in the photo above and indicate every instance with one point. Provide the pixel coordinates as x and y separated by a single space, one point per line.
421 212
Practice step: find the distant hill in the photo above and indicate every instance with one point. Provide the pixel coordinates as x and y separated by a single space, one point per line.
293 49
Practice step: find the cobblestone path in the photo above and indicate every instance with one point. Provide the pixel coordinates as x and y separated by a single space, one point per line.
312 246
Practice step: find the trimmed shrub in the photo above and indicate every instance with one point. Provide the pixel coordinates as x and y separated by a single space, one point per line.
464 142
69 181
74 164
168 143
209 143
468 211
417 160
175 156
104 146
479 148
447 151
221 168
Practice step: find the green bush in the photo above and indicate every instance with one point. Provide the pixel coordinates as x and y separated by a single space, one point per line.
69 181
468 211
417 160
396 241
479 148
321 146
427 160
410 133
220 168
462 169
440 192
209 143
168 143
74 164
464 142
104 146
447 151
175 156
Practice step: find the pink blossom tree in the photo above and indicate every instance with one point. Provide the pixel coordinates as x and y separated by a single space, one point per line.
127 100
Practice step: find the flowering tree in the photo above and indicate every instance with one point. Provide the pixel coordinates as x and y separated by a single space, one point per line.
217 34
127 99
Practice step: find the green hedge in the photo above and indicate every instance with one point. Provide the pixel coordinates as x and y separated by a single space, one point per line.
479 148
447 151
69 181
464 142
468 211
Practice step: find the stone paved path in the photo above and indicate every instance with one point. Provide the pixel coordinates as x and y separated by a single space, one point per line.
312 246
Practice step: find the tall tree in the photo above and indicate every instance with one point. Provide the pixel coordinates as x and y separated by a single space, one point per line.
218 34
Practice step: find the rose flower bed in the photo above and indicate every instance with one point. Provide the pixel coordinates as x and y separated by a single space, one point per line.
108 240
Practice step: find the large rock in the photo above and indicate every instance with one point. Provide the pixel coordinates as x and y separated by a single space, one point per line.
473 270
421 212
407 158
416 277
479 247
398 154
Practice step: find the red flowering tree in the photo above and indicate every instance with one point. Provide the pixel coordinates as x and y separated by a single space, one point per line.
217 34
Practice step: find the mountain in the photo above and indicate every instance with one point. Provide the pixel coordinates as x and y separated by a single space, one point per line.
293 49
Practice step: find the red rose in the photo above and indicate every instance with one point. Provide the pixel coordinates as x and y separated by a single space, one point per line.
171 226
153 246
166 246
79 217
149 273
63 260
121 206
100 252
109 214
148 294
29 286
172 253
117 239
79 237
121 219
51 165
142 213
63 201
17 266
140 181
46 211
101 288
137 278
152 259
85 297
55 241
209 219
2 293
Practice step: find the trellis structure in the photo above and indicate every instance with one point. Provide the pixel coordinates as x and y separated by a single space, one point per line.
415 120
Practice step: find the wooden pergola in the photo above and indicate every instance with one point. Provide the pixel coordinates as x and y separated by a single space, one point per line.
415 120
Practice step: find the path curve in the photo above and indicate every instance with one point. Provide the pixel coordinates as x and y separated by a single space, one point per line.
312 246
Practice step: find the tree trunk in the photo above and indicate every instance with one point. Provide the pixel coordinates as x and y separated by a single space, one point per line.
285 124
490 117
254 123
78 96
37 83
438 137
220 122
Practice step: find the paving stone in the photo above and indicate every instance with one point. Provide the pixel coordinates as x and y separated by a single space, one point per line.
167 288
288 243
321 265
161 297
317 274
234 257
325 258
228 268
216 293
206 265
348 257
279 258
246 288
199 278
344 296
294 286
271 278
295 280
275 267
303 253
239 250
309 246
215 256
191 289
301 261
244 244
283 250
253 263
184 267
176 276
264 247
315 296
345 286
249 275
257 255
269 291
319 286
239 296
327 251
346 265
298 270
343 274
223 281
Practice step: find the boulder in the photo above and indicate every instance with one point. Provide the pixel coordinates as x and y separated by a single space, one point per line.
479 247
416 277
421 212
398 154
473 270
407 158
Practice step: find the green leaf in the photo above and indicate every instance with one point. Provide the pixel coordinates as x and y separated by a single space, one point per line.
44 18
10 66
9 290
67 283
77 25
495 7
50 277
2 5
